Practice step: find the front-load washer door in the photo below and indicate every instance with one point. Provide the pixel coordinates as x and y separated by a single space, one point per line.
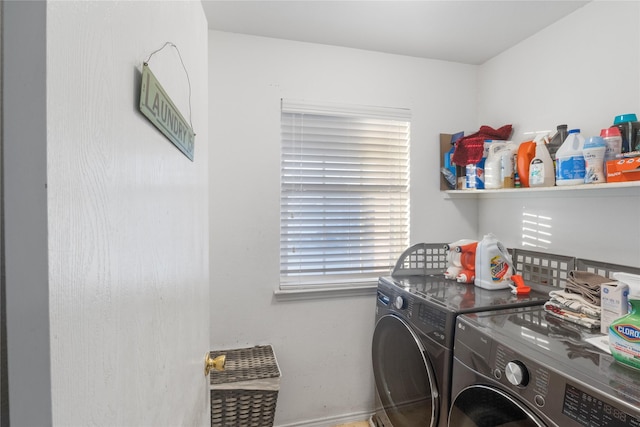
404 378
482 406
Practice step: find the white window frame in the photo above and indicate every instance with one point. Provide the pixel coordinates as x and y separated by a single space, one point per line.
313 167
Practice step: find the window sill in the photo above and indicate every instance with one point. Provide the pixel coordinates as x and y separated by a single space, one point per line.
325 292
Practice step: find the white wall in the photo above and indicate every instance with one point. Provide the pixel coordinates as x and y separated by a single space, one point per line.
127 217
323 346
582 71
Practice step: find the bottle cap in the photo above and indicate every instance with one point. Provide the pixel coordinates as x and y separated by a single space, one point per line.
623 118
594 141
610 132
574 131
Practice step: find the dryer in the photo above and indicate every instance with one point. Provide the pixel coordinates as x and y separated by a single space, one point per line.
412 347
525 368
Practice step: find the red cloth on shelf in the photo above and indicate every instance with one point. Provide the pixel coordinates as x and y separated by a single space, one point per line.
469 149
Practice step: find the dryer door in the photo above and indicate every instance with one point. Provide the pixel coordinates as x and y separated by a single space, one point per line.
404 378
482 406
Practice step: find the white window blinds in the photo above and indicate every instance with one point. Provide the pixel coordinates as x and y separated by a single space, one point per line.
344 199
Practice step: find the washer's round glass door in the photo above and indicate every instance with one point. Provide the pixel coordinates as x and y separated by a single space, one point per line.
482 406
404 378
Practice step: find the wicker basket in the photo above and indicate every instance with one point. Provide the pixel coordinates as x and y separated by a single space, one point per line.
244 394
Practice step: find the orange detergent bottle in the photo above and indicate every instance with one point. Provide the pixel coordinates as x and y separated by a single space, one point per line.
526 153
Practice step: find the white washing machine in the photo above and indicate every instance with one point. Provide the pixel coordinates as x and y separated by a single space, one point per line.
525 368
412 348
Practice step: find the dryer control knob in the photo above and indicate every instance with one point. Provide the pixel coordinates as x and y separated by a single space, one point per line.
517 374
400 303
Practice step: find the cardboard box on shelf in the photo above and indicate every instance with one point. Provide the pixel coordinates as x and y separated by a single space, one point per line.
622 170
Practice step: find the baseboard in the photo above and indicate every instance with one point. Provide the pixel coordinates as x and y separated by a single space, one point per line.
331 421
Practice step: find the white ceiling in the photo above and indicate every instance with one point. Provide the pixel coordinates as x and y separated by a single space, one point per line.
470 31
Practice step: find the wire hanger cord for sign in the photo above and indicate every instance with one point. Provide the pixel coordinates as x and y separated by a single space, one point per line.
183 66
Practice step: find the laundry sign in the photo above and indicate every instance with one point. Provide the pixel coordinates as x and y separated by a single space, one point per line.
156 105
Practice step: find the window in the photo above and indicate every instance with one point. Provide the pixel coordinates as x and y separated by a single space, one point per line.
344 194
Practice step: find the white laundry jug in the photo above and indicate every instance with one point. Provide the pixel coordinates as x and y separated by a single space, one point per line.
493 166
493 264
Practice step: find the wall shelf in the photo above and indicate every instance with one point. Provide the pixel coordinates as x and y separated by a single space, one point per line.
524 191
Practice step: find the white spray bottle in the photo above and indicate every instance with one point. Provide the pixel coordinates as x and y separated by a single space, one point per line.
541 170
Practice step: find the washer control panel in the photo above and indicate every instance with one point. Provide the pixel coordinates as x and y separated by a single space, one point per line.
590 411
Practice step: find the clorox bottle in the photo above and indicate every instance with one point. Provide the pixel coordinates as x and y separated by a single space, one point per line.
570 167
493 264
624 333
